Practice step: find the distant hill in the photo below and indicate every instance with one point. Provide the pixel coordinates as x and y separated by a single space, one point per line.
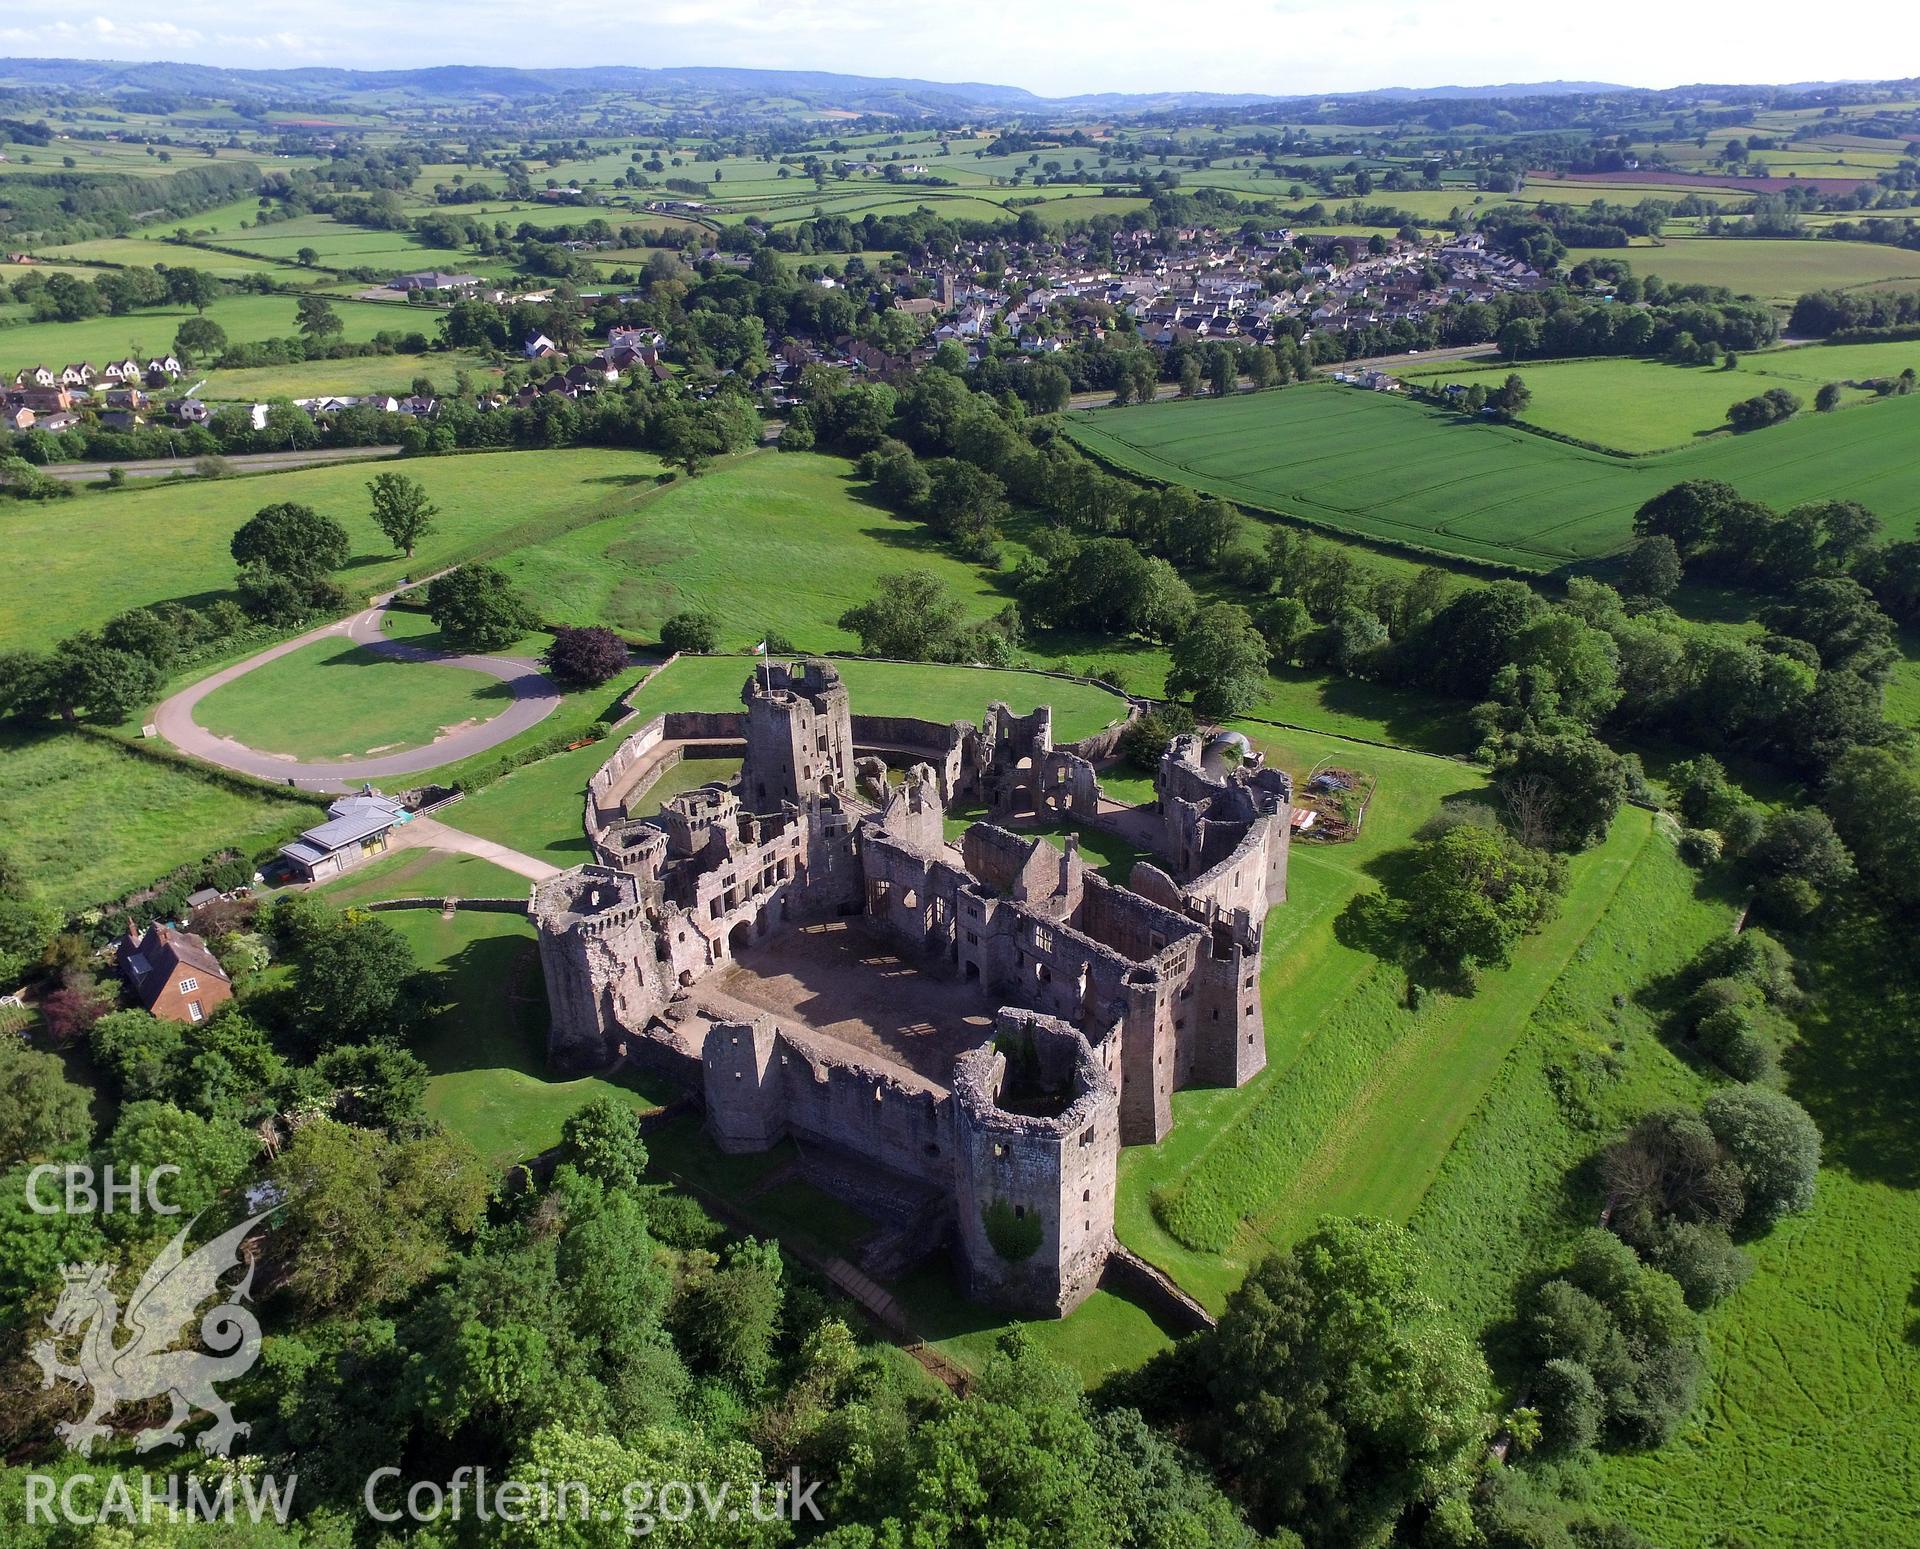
711 86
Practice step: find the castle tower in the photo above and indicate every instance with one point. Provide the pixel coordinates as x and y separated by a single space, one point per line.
1230 1040
799 734
1037 1146
597 952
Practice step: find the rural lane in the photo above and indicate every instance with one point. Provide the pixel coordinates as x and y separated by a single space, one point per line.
534 698
240 462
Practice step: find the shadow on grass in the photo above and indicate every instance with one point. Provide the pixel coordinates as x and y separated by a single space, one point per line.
1855 1068
489 1012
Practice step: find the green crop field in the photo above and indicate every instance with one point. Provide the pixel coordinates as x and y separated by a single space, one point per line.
1648 406
141 334
85 820
334 699
1399 472
780 542
1776 271
102 551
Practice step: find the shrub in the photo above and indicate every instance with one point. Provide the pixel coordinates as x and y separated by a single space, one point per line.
1775 1144
1146 736
1699 846
586 657
1571 1408
1703 1259
1733 1037
698 632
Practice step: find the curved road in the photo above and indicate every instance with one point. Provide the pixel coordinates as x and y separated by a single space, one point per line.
534 699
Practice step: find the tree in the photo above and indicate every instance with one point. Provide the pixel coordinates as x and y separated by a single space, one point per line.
1220 662
1473 892
1827 399
913 618
1874 801
401 510
86 675
293 540
1338 1392
1690 513
1796 860
1652 569
585 656
211 1154
602 1139
192 288
357 982
693 630
199 339
727 1319
1520 336
1512 396
368 1218
42 1113
1776 1146
1561 789
478 609
316 318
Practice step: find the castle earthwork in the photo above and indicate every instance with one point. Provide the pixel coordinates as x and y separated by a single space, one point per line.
957 1034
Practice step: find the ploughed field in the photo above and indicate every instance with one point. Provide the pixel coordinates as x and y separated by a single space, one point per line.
1400 472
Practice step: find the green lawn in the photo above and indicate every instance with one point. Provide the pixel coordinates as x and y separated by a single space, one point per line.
486 1045
539 808
334 699
103 551
424 873
85 821
1648 406
1399 472
772 542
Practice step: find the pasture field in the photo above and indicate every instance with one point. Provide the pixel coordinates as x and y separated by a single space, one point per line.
334 699
246 319
1778 271
1642 406
145 253
773 541
85 820
485 1044
355 375
1399 472
105 551
220 221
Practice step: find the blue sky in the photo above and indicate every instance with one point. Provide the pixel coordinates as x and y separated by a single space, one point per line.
1049 46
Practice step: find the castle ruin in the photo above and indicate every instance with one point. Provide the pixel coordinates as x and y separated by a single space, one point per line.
957 1035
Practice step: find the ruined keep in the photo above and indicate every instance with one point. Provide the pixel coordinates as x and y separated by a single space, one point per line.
956 1035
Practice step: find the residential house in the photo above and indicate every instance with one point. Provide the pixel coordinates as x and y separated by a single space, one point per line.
19 419
191 411
356 830
37 376
80 374
172 973
163 369
539 347
122 371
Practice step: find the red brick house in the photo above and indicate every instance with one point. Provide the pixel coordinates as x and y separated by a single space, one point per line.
172 973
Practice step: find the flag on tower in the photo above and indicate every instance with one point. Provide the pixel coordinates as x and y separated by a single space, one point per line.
760 649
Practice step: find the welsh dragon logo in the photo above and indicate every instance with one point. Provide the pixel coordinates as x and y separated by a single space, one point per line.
144 1366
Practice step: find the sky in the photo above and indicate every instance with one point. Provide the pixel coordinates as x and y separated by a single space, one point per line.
1053 47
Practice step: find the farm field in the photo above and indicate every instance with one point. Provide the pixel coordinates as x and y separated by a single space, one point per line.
1771 270
355 375
86 820
102 552
772 542
1398 472
1642 406
245 318
334 699
136 253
